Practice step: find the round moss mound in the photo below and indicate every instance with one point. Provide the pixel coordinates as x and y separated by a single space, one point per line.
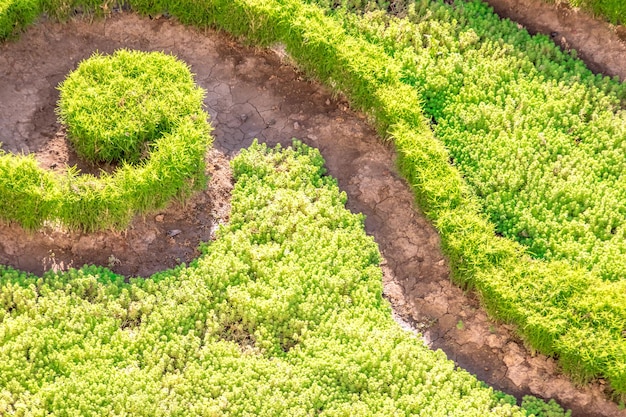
116 106
142 110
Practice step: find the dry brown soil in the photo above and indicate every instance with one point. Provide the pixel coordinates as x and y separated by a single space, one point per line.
255 93
600 45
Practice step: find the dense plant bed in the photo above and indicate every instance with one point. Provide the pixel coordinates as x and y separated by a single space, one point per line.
561 308
140 110
540 140
282 315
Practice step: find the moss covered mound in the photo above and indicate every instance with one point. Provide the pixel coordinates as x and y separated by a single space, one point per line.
115 106
121 108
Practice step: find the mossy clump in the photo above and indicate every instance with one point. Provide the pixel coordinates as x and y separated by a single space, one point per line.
15 15
116 106
139 110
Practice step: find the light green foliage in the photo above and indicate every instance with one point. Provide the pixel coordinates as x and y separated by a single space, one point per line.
29 193
557 313
16 15
282 315
175 169
539 138
559 308
32 196
539 408
116 106
390 6
150 96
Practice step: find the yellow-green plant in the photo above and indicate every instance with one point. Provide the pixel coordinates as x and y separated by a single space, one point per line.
15 15
560 308
116 106
282 315
612 10
139 109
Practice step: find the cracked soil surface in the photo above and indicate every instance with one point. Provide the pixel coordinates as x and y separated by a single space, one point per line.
254 93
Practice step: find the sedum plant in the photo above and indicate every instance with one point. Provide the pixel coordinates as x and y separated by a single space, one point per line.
282 315
139 109
116 106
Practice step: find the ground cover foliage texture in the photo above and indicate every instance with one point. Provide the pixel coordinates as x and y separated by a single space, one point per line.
560 308
282 314
115 106
612 10
140 111
540 141
559 305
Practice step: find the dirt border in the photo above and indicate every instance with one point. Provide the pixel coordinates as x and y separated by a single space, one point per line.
599 44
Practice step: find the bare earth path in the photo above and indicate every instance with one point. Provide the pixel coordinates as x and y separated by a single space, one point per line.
254 93
600 45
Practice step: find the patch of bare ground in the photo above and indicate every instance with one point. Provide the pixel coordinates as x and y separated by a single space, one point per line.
600 45
257 94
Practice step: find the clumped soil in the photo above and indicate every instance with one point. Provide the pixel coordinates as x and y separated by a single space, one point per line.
254 93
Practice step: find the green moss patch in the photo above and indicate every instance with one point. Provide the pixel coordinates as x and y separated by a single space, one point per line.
115 106
282 315
130 107
16 15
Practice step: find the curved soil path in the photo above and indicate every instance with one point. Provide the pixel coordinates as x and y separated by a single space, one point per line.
256 93
601 45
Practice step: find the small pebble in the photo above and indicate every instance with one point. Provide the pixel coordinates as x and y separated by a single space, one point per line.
174 232
159 218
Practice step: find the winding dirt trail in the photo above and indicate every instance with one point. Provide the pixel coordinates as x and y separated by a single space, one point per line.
602 46
257 94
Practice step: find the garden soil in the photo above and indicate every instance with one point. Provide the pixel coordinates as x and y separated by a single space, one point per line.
253 93
600 45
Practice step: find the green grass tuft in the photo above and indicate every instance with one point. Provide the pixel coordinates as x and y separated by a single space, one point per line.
142 110
15 15
612 10
115 107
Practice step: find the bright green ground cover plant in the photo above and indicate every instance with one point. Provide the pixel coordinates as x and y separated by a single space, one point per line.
559 309
15 15
503 79
116 106
141 110
282 315
542 147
